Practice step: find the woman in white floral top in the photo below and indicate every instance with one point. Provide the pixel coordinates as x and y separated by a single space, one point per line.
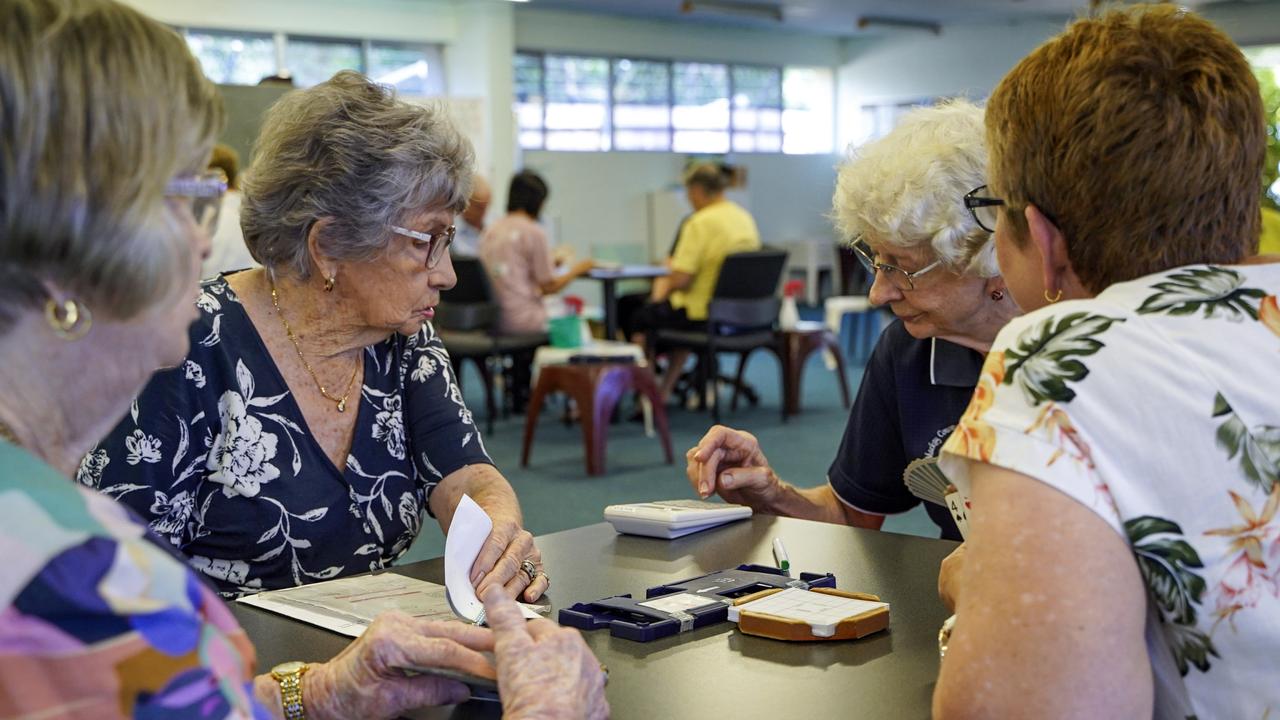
317 417
1122 450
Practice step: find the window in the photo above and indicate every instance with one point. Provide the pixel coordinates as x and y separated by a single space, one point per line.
314 60
808 116
529 100
700 113
413 69
234 58
569 102
577 102
243 58
757 109
641 105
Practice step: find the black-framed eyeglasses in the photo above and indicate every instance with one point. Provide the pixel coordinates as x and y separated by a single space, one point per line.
985 210
205 192
899 278
437 243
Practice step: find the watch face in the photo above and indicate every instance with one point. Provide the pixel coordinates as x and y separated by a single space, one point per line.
288 668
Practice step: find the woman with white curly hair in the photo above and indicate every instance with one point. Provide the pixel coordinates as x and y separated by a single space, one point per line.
316 418
901 200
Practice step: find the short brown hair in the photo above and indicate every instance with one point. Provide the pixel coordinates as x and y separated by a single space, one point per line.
1140 133
226 159
102 107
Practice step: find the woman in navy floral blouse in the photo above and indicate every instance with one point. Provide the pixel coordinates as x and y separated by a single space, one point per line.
317 417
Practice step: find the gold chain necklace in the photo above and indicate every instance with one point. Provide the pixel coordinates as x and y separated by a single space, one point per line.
342 401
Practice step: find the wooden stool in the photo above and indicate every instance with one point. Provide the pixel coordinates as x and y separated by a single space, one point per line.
596 388
797 345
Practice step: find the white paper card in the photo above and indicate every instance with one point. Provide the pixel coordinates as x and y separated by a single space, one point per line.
347 606
470 528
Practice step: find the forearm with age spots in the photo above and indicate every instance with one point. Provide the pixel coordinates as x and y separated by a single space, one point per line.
486 486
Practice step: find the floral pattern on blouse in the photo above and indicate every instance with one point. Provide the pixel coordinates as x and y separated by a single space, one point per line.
215 455
1156 405
99 620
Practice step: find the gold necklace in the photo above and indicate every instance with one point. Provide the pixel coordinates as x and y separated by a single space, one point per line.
342 401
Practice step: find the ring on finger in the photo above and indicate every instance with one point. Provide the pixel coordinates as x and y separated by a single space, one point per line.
546 577
529 569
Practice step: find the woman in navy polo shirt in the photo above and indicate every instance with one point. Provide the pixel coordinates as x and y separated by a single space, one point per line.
902 199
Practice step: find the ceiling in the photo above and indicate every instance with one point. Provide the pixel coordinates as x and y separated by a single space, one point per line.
841 17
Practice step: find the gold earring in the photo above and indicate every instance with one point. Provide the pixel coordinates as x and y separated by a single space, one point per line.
1055 298
70 320
329 283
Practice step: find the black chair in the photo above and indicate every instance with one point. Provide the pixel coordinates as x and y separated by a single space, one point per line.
467 321
741 318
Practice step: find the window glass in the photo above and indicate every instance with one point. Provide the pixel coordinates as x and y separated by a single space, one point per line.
314 60
808 116
529 100
641 105
757 108
577 103
412 69
233 58
700 111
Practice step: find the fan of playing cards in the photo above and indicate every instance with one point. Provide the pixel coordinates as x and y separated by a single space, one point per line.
925 480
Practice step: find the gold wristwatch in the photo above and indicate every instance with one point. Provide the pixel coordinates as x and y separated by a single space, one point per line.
289 675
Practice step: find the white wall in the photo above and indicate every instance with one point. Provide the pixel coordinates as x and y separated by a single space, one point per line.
539 29
970 59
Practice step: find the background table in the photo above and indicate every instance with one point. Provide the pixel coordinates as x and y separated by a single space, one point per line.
716 671
609 278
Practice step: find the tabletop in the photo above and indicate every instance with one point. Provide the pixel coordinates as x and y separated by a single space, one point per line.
626 272
716 669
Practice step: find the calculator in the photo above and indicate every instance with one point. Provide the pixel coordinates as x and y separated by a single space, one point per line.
672 518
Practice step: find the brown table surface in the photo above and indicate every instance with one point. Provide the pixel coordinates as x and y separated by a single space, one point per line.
717 671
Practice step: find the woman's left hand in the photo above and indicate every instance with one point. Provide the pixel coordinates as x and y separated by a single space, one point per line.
502 560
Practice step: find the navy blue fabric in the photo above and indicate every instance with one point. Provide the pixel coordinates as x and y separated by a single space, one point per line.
911 397
216 457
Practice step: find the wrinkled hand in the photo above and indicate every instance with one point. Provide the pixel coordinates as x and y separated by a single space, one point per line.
949 577
582 267
544 671
366 680
500 558
730 463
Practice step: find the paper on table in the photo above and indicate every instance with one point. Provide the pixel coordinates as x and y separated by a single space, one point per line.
348 605
469 529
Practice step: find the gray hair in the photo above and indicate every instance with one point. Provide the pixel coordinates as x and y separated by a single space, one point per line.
907 189
348 151
102 106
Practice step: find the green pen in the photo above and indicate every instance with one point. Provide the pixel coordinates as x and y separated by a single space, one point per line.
780 557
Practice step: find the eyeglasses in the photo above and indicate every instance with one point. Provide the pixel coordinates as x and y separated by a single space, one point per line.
983 209
436 243
205 192
899 278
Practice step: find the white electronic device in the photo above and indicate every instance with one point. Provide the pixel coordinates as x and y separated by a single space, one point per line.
672 518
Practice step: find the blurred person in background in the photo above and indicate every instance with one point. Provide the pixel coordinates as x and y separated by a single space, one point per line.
467 240
228 251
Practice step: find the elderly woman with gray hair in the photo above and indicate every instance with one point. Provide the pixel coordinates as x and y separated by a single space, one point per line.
902 200
316 417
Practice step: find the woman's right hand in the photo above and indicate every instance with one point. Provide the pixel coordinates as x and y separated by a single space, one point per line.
367 679
545 671
730 463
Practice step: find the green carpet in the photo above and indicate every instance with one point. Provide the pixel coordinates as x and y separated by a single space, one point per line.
556 493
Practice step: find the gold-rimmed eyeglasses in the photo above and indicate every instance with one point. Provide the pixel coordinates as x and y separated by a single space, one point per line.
902 279
436 243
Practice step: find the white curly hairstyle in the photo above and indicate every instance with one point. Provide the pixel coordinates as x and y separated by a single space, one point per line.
907 189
